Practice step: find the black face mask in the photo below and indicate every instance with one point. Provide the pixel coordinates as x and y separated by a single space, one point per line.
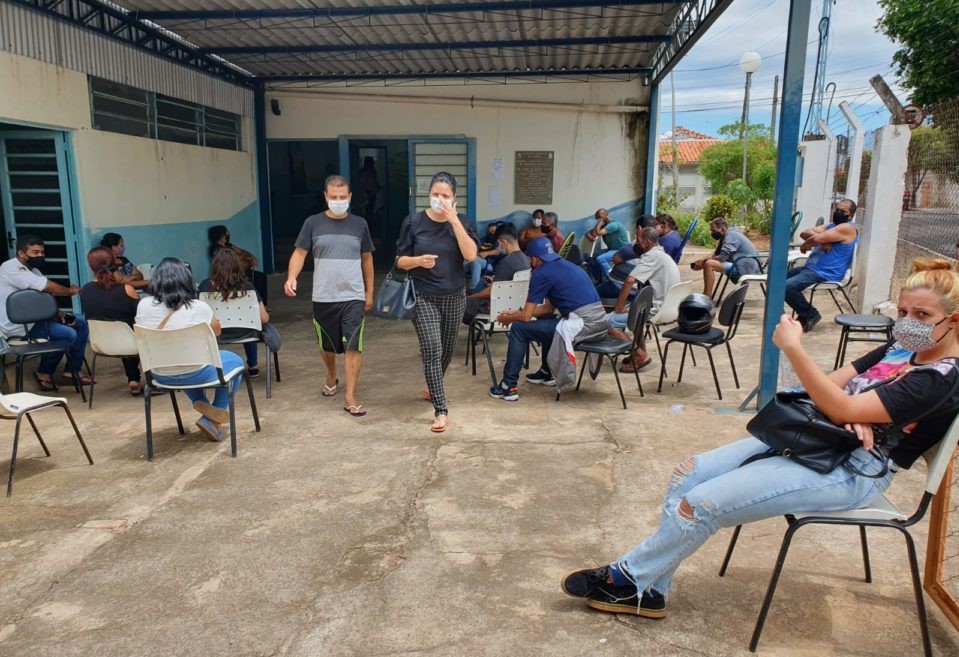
839 217
546 228
716 235
36 262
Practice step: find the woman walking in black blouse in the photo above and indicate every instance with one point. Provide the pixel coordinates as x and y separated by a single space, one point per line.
432 246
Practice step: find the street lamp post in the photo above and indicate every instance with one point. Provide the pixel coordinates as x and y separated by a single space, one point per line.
749 63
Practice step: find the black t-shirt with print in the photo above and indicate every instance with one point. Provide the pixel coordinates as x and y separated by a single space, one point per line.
420 235
909 395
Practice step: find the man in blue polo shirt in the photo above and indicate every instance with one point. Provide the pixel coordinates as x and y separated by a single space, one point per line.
555 285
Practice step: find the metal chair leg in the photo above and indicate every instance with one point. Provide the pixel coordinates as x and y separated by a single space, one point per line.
229 389
917 588
662 368
276 365
93 378
37 434
176 412
149 419
489 357
469 344
619 385
771 589
712 366
732 364
582 371
729 550
256 415
13 458
848 300
682 363
269 373
840 355
832 293
865 554
639 384
76 430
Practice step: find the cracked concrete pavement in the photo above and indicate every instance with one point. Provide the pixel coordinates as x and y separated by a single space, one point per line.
339 536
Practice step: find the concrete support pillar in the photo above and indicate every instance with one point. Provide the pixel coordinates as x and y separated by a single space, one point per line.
855 151
880 227
652 153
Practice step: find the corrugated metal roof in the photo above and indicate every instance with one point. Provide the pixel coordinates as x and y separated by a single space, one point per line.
408 31
32 34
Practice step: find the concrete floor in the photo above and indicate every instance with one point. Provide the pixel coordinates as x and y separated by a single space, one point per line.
336 536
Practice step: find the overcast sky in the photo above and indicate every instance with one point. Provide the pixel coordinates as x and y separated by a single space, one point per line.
709 84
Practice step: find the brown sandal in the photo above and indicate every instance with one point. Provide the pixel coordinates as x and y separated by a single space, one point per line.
440 424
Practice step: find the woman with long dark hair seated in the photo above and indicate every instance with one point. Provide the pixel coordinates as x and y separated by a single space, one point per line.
172 304
713 490
107 300
219 237
228 281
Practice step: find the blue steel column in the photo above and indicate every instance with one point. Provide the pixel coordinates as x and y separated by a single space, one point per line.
652 151
263 176
788 145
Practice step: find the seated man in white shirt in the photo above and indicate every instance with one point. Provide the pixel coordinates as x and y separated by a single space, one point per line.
655 268
23 273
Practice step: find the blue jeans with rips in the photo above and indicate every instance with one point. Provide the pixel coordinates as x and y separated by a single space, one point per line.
207 374
522 334
77 334
710 491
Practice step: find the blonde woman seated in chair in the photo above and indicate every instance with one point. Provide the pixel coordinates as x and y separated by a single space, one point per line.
171 305
228 279
712 490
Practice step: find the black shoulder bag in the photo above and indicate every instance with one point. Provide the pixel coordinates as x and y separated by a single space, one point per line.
396 298
796 429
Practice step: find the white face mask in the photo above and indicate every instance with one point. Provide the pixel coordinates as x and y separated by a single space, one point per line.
437 204
339 207
537 222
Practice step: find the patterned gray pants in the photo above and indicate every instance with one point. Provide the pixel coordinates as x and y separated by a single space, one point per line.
437 323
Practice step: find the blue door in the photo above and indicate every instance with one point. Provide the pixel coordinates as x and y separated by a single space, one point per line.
36 199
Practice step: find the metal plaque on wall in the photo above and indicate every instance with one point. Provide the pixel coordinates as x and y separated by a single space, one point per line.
533 178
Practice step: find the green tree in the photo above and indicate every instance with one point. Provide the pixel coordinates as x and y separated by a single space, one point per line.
928 33
722 165
928 152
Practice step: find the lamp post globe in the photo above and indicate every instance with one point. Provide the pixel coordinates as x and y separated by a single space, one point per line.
750 62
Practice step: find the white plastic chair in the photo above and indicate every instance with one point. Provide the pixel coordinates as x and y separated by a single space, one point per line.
146 269
880 512
111 339
669 310
191 347
243 312
505 296
18 405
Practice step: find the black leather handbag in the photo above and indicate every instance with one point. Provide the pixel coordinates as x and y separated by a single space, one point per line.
396 299
795 429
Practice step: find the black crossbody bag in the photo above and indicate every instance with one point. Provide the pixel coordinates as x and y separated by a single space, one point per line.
795 429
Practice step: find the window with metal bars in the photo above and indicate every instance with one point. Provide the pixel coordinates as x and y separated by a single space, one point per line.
121 108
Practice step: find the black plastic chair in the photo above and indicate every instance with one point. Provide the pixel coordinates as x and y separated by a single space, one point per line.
613 348
730 312
34 307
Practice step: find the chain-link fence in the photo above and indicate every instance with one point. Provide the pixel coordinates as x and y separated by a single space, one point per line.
930 204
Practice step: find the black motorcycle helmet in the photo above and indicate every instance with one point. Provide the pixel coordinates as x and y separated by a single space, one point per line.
696 314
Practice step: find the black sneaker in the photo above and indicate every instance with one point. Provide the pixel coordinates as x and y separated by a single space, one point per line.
506 394
541 377
808 325
597 587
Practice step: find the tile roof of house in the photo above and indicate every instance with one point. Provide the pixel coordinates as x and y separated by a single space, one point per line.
687 151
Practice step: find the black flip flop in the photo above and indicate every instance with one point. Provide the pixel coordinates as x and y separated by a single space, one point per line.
45 385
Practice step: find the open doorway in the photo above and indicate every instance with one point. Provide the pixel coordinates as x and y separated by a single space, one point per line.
379 176
297 172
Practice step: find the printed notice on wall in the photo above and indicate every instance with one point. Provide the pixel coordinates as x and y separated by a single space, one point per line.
423 185
533 178
498 171
494 198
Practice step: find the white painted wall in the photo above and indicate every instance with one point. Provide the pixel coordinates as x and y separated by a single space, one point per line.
594 154
124 180
813 196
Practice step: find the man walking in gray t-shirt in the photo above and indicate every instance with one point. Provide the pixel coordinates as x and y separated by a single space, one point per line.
342 284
